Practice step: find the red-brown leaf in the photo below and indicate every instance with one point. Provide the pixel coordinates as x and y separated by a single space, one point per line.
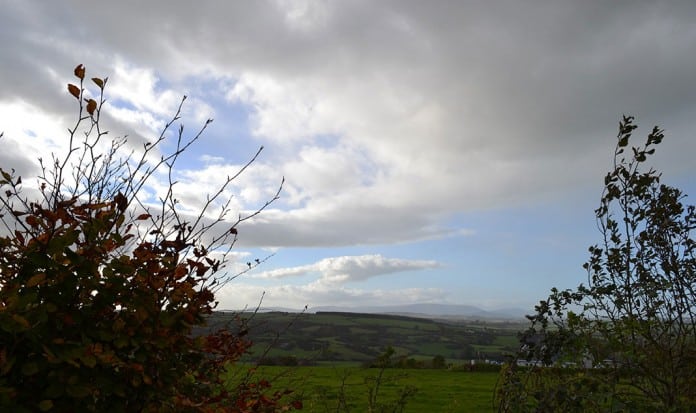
180 272
19 237
91 106
80 71
36 279
74 90
121 202
32 221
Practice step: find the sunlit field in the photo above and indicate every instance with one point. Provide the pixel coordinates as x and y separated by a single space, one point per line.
322 387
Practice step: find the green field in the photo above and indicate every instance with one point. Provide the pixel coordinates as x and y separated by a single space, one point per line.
436 390
323 358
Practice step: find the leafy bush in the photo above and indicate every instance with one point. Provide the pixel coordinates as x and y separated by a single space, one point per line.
626 341
100 287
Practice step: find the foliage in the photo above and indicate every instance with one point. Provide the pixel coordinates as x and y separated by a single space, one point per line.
626 341
100 287
439 362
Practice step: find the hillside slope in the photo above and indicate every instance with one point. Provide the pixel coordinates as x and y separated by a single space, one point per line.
353 337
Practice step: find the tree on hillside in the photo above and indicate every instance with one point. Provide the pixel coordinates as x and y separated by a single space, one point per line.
100 286
625 341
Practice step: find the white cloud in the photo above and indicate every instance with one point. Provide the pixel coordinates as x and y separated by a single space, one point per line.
139 87
37 133
338 270
284 110
212 159
137 98
248 191
304 15
241 295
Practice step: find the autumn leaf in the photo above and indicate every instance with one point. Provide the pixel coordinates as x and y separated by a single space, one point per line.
91 106
180 272
80 71
121 202
98 82
19 237
32 221
21 321
74 90
36 280
45 405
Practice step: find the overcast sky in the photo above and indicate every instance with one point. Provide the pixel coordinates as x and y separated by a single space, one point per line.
433 151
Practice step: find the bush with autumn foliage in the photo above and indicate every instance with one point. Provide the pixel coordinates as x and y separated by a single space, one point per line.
100 287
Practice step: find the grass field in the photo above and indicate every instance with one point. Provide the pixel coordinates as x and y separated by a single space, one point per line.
436 390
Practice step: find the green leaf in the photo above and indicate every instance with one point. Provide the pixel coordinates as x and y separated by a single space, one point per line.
54 390
21 321
121 341
29 369
78 391
45 405
89 360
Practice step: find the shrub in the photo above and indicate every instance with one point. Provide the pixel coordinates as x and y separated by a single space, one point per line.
100 287
630 333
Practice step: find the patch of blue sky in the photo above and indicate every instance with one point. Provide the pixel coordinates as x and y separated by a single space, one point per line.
227 140
228 137
371 171
121 103
687 184
325 140
528 250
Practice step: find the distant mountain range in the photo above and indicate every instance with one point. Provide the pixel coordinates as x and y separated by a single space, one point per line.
445 311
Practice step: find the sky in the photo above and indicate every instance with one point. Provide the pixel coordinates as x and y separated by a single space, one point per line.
433 152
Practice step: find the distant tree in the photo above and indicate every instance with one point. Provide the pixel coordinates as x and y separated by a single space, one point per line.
467 351
405 362
100 286
439 362
626 341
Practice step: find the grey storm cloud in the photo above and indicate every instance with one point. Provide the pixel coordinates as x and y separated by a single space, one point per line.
442 106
